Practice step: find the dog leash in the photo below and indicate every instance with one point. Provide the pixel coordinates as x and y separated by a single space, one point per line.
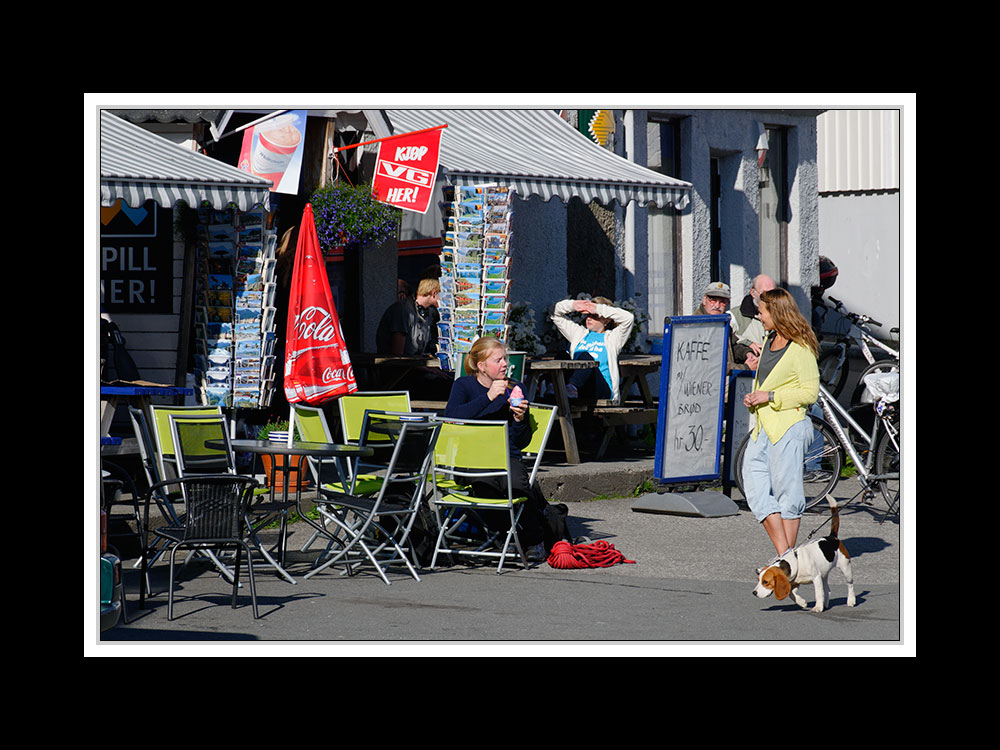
840 506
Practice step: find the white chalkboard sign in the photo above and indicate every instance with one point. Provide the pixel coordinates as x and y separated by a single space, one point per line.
737 421
692 393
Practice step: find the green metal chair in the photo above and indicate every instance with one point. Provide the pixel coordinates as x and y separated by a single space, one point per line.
541 418
188 435
376 529
313 427
166 455
468 450
352 408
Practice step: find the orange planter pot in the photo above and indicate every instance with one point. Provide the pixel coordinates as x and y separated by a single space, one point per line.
296 478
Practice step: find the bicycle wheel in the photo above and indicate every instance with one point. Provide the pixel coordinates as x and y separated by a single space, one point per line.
887 462
861 394
820 467
832 372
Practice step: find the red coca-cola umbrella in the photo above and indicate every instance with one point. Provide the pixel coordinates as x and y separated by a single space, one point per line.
317 364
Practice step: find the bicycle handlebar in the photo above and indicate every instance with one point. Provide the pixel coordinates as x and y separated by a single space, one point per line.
854 316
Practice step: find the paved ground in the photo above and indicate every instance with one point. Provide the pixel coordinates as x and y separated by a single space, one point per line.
691 583
690 587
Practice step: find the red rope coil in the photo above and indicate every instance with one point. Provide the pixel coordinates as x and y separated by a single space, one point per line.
597 554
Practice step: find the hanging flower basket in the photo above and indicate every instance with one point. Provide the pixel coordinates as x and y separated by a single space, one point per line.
348 215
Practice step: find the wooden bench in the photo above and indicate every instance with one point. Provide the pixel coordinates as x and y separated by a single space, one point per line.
434 406
615 417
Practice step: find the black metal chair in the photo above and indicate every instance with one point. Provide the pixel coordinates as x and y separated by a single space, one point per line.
214 519
189 435
171 529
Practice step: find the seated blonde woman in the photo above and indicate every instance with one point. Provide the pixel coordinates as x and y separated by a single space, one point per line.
486 393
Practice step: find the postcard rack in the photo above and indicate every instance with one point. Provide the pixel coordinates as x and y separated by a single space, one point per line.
475 267
234 310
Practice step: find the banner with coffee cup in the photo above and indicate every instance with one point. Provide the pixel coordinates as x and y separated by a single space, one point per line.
273 150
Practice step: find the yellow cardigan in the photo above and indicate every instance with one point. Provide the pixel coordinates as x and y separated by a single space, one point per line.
795 382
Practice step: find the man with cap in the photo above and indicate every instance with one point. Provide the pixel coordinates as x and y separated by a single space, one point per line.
715 301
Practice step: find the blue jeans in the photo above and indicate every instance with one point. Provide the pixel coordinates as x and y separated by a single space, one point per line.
589 383
772 472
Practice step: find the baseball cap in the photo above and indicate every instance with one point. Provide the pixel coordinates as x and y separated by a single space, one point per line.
717 289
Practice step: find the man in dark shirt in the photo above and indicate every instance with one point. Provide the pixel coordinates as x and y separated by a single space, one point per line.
409 326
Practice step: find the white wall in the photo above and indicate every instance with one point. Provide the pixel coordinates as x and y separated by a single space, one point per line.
859 180
860 234
731 136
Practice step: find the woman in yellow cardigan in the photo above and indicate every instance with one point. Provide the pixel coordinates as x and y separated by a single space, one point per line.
785 385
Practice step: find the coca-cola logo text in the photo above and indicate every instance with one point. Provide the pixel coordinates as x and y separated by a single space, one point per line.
315 323
338 375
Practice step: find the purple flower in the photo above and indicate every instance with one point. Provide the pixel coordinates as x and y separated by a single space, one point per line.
346 215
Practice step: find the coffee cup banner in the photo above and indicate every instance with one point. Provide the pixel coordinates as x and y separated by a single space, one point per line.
273 150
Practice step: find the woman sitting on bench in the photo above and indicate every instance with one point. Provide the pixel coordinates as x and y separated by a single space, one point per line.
602 337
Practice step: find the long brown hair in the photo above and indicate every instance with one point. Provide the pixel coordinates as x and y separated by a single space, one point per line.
787 319
480 350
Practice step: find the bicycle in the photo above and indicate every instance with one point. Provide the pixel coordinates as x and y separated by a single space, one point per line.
878 468
833 366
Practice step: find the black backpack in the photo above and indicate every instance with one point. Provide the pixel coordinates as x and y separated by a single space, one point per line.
116 355
557 527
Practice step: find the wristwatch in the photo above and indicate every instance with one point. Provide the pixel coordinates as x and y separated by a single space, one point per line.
770 397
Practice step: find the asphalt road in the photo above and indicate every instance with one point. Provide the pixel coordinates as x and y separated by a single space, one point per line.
690 583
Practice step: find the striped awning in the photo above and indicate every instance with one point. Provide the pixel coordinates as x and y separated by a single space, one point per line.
137 166
536 152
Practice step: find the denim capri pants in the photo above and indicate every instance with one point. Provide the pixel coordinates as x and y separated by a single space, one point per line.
772 472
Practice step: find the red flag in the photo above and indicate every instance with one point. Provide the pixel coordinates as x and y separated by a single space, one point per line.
406 168
317 365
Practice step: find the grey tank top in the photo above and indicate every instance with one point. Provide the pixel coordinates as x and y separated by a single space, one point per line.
769 359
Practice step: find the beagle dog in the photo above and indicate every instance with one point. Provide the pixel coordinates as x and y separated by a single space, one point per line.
811 562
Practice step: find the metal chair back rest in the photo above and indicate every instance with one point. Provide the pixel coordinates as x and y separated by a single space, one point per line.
151 464
311 424
470 448
216 506
165 452
417 435
353 407
189 434
541 417
377 439
147 451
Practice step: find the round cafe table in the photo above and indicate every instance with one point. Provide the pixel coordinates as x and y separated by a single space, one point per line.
338 452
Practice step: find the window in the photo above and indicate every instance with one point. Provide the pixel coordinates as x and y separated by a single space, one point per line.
773 218
663 156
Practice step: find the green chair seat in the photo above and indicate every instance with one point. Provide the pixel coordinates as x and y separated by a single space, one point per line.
467 500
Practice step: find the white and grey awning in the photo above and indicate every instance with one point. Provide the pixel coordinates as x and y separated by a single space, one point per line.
536 152
137 166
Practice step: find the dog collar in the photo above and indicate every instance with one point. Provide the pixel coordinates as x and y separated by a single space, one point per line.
792 558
